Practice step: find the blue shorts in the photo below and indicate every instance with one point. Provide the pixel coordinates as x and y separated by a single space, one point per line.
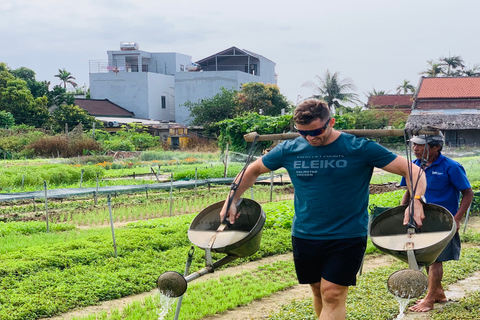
337 261
451 251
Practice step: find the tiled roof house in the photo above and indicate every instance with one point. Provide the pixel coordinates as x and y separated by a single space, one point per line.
452 104
391 102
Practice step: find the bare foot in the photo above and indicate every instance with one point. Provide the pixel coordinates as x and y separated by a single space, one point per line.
437 299
422 306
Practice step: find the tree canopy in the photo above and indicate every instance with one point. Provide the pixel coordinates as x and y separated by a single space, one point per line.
333 89
253 97
66 77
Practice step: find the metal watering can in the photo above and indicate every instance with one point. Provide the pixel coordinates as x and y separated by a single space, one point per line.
418 249
207 232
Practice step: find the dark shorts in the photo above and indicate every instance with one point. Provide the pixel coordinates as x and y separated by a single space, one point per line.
337 261
451 251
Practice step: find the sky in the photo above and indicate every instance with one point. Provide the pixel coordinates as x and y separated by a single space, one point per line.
376 44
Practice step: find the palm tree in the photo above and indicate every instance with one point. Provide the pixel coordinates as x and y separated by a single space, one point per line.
452 63
374 92
66 77
434 70
406 86
474 72
332 89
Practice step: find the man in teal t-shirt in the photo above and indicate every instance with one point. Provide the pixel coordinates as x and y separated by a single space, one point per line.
330 171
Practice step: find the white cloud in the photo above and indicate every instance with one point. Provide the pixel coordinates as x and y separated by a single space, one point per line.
376 43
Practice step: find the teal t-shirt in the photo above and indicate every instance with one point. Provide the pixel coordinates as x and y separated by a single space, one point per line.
331 184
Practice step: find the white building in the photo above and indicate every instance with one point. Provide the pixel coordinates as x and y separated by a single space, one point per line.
156 85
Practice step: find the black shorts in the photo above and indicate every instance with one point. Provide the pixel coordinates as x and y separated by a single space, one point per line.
451 251
337 261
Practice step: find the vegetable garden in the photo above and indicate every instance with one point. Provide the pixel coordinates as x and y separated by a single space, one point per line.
74 264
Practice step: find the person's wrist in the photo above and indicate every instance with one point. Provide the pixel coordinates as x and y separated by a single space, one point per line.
420 198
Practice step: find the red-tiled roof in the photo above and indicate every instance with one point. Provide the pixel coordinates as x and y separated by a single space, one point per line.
449 87
103 107
391 100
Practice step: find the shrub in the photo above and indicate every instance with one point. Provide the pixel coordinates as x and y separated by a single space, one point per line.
62 146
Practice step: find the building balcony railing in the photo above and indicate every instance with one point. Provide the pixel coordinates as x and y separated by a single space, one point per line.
117 66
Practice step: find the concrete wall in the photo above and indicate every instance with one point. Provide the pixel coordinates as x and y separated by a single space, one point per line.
161 85
267 71
138 92
193 86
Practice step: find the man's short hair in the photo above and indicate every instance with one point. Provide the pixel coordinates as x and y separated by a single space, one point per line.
309 110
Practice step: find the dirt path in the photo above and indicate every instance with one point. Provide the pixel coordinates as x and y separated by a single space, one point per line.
261 309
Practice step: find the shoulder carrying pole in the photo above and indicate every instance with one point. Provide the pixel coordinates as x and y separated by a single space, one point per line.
428 130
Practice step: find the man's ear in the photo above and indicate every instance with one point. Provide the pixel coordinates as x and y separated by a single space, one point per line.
332 122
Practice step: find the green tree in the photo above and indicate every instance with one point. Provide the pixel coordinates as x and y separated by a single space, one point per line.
6 119
473 72
18 100
58 96
261 98
434 69
406 87
333 89
452 63
66 77
71 115
209 110
233 130
37 88
371 119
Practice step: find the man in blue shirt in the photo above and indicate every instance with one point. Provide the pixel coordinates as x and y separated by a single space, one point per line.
446 179
330 171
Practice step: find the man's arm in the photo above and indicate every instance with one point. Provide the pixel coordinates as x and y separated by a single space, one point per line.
253 171
401 167
467 198
405 198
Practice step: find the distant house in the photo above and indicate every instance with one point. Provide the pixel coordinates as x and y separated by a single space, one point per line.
453 105
391 102
156 85
114 117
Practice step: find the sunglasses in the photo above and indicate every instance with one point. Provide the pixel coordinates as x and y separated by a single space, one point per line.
316 132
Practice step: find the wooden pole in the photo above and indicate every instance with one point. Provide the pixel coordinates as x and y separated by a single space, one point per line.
46 204
96 192
195 182
249 137
225 161
81 177
271 186
171 191
111 224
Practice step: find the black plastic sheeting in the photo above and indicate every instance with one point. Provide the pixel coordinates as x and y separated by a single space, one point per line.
72 192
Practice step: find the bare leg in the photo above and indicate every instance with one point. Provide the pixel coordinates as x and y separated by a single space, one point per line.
317 298
329 300
435 292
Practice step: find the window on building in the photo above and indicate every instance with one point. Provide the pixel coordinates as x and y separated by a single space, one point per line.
182 68
164 102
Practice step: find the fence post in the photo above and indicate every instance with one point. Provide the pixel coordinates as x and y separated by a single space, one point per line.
171 190
96 192
225 161
111 224
271 185
195 182
23 181
46 204
81 177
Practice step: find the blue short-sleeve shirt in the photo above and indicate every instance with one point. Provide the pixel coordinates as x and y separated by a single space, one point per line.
445 179
331 184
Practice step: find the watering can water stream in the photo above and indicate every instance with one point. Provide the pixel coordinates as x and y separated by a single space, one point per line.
207 232
418 249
